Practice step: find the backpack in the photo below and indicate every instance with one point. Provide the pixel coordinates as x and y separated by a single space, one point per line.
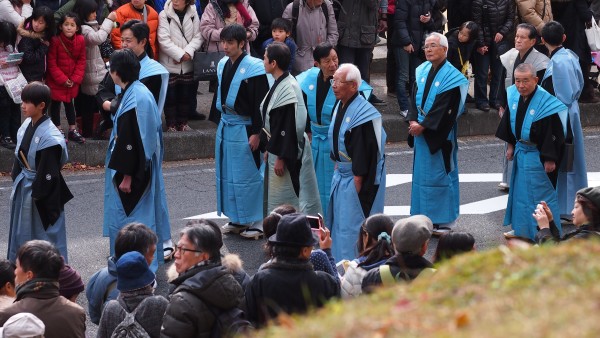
296 11
129 327
229 323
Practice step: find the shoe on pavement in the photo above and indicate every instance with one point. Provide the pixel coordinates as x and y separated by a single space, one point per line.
184 127
503 186
168 253
252 234
374 100
76 137
510 234
234 228
438 230
484 107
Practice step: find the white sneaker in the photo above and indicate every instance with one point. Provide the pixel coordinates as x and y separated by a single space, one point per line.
234 228
503 186
510 234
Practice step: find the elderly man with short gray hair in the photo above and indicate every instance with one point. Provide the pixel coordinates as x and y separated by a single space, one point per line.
357 146
438 100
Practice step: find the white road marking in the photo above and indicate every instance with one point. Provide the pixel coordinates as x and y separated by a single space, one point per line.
480 207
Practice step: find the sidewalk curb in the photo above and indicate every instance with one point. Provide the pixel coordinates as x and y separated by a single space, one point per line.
201 143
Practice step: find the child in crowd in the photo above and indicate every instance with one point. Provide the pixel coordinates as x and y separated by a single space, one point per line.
452 244
66 67
94 35
461 43
281 29
10 112
70 284
35 32
38 185
374 248
7 284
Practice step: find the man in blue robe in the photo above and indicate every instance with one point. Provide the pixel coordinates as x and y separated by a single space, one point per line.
319 98
357 142
438 101
236 108
564 79
534 128
134 187
39 192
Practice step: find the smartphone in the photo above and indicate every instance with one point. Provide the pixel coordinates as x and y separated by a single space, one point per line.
314 222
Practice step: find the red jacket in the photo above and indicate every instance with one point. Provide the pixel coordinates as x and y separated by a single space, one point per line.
63 66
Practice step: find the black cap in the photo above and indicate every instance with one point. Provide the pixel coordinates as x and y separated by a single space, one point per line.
293 230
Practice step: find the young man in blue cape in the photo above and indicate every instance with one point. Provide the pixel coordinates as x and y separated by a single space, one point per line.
564 79
236 109
155 77
438 101
319 98
357 142
534 128
39 192
134 35
290 174
134 188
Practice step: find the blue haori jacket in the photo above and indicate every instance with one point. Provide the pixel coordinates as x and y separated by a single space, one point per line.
529 182
239 183
345 214
151 209
435 185
320 140
567 80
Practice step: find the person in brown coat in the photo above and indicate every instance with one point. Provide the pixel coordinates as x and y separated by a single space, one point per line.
36 277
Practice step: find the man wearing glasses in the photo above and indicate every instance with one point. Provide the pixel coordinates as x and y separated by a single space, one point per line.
357 141
438 100
319 98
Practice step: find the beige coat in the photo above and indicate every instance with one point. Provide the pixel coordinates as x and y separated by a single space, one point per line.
535 12
175 39
211 26
95 68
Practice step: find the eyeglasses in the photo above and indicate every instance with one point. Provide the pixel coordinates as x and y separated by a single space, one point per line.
430 46
184 250
334 82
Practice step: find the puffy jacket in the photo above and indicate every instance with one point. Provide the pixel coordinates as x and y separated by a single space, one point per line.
34 52
9 14
211 25
63 66
175 39
357 23
535 12
312 28
188 314
128 12
95 68
292 285
412 266
493 16
408 29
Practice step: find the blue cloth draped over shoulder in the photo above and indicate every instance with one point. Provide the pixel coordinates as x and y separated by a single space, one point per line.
567 80
529 183
25 221
239 181
435 192
320 140
345 214
150 67
151 209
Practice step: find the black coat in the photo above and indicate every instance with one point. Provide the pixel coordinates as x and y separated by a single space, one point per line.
33 66
552 234
287 286
188 313
408 29
266 11
459 11
573 14
493 16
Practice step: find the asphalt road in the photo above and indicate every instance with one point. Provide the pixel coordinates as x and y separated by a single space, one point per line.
190 190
